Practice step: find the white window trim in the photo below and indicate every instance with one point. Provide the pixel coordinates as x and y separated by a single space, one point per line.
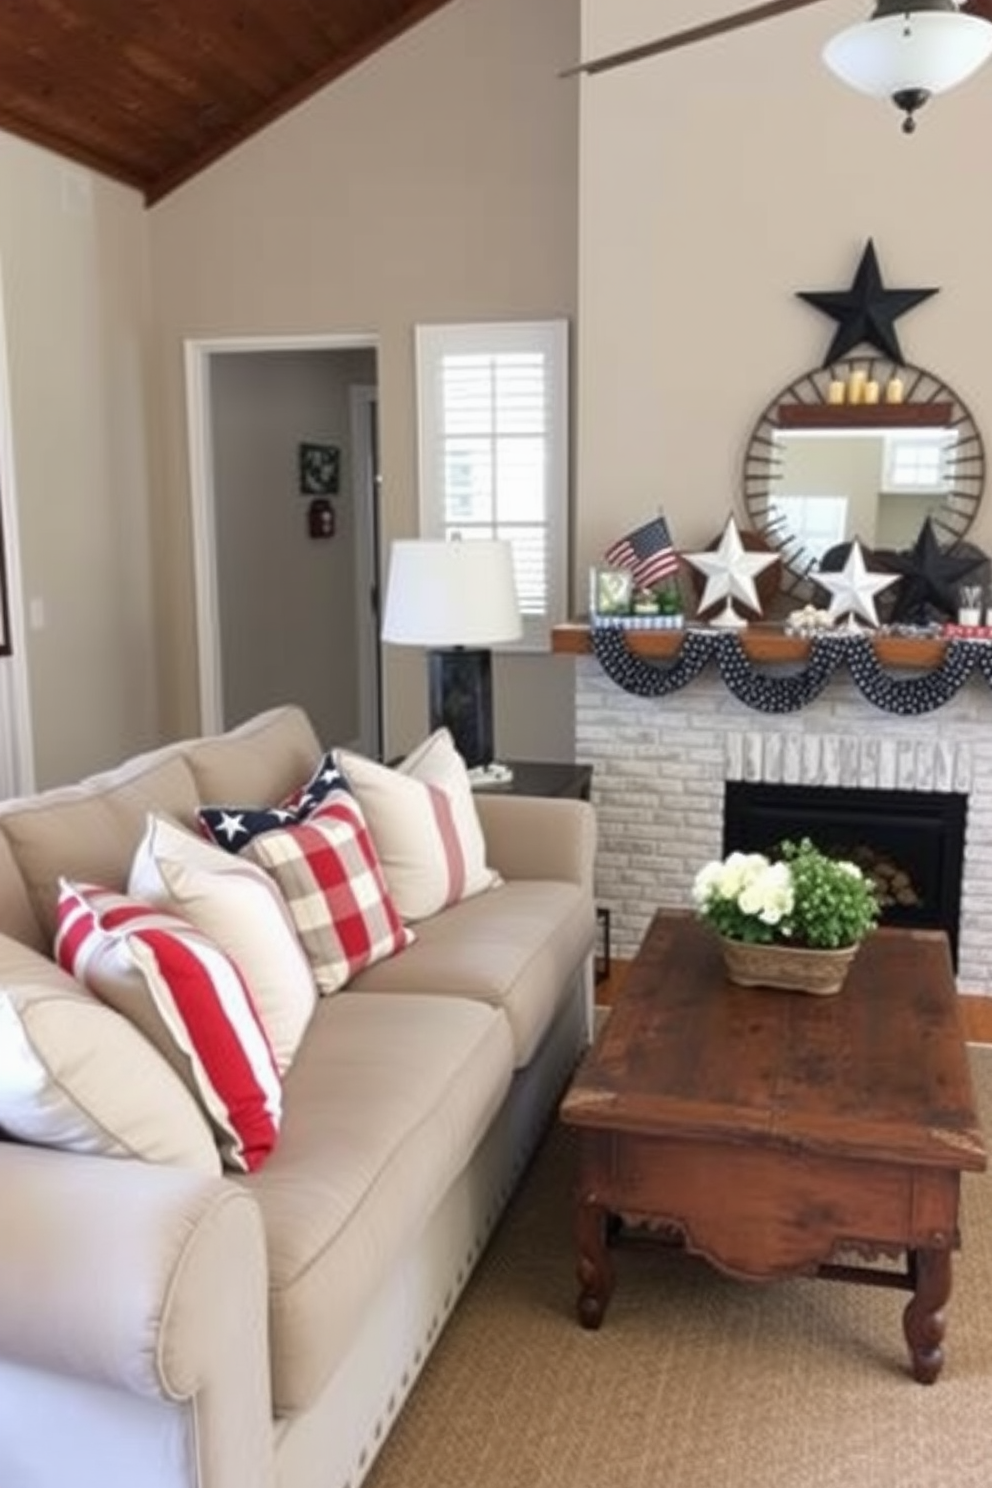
549 337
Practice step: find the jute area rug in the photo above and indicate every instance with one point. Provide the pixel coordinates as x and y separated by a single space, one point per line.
694 1381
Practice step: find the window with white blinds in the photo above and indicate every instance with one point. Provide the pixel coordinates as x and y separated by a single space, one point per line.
492 413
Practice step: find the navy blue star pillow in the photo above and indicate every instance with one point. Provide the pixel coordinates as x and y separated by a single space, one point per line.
233 827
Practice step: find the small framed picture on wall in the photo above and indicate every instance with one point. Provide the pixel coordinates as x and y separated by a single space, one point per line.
319 469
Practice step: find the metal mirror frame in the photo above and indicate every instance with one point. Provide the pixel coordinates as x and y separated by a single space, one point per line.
763 459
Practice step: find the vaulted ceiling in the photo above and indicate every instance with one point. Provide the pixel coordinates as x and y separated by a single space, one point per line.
151 91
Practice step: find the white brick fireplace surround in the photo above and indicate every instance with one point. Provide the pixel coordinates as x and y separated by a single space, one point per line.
660 765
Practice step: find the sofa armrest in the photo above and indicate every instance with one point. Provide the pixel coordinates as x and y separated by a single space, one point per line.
539 837
150 1280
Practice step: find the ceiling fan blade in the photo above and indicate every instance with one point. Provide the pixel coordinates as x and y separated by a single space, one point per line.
703 32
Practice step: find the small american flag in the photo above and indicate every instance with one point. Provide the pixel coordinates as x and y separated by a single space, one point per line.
647 553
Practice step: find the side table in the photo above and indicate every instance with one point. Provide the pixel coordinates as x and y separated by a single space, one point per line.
544 778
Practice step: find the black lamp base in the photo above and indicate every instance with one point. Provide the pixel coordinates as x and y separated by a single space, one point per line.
461 699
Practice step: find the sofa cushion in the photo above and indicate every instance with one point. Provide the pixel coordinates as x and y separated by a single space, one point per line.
329 874
262 760
516 948
17 912
77 1076
90 831
236 905
424 824
189 1001
385 1104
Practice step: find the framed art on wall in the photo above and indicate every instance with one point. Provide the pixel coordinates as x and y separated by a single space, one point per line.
5 646
319 469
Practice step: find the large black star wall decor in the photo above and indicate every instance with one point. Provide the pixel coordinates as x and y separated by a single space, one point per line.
867 312
930 576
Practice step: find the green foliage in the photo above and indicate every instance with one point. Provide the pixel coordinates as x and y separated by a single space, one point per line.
835 904
669 599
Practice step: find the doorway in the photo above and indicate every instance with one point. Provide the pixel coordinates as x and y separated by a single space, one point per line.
287 577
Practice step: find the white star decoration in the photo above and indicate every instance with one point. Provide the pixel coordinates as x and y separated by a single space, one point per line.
852 591
730 572
231 826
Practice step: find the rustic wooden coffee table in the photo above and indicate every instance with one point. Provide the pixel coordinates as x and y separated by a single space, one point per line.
771 1130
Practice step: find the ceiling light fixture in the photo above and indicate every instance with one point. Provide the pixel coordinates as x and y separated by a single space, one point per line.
909 50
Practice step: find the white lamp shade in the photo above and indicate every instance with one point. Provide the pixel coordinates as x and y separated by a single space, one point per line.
928 50
460 593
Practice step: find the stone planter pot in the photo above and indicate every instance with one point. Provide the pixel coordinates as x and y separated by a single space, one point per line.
791 968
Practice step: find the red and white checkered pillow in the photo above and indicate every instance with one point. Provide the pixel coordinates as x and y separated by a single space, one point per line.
188 999
329 874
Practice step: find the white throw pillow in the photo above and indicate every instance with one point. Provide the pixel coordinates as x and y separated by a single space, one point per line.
77 1076
239 907
424 824
189 1000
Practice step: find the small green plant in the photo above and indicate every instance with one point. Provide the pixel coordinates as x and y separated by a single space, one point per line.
669 599
802 897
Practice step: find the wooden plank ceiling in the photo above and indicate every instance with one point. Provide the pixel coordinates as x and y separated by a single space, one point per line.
151 91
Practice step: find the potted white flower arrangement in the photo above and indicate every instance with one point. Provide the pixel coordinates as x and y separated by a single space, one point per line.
803 901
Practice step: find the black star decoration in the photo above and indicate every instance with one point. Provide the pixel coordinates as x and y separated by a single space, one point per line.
930 575
866 312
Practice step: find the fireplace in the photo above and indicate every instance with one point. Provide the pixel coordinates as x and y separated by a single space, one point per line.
661 767
910 843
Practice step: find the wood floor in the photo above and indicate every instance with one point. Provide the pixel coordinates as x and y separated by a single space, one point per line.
976 1012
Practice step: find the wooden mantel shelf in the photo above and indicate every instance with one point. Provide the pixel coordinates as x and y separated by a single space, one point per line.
763 643
865 415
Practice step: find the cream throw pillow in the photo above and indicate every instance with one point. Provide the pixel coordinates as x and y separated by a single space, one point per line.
424 824
76 1075
240 908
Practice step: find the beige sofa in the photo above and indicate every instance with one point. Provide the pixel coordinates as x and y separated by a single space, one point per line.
166 1328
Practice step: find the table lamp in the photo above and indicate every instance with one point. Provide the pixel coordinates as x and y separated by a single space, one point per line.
457 599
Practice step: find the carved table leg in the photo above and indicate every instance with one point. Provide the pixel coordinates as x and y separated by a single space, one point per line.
595 1268
924 1321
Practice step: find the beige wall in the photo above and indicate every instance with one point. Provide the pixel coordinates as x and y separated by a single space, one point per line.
74 268
443 179
436 182
715 183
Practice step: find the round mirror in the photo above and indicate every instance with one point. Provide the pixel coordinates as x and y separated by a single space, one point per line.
865 449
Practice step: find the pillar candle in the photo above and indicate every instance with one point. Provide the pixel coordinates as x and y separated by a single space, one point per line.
893 391
871 392
836 392
856 386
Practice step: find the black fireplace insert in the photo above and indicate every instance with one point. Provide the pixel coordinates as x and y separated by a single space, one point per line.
910 842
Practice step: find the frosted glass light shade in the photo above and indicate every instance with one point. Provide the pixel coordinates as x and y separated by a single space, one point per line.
926 50
451 594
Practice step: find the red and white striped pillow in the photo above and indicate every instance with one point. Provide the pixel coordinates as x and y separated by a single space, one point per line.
328 871
188 998
424 823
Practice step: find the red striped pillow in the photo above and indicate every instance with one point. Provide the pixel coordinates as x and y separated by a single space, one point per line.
425 826
328 871
188 999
